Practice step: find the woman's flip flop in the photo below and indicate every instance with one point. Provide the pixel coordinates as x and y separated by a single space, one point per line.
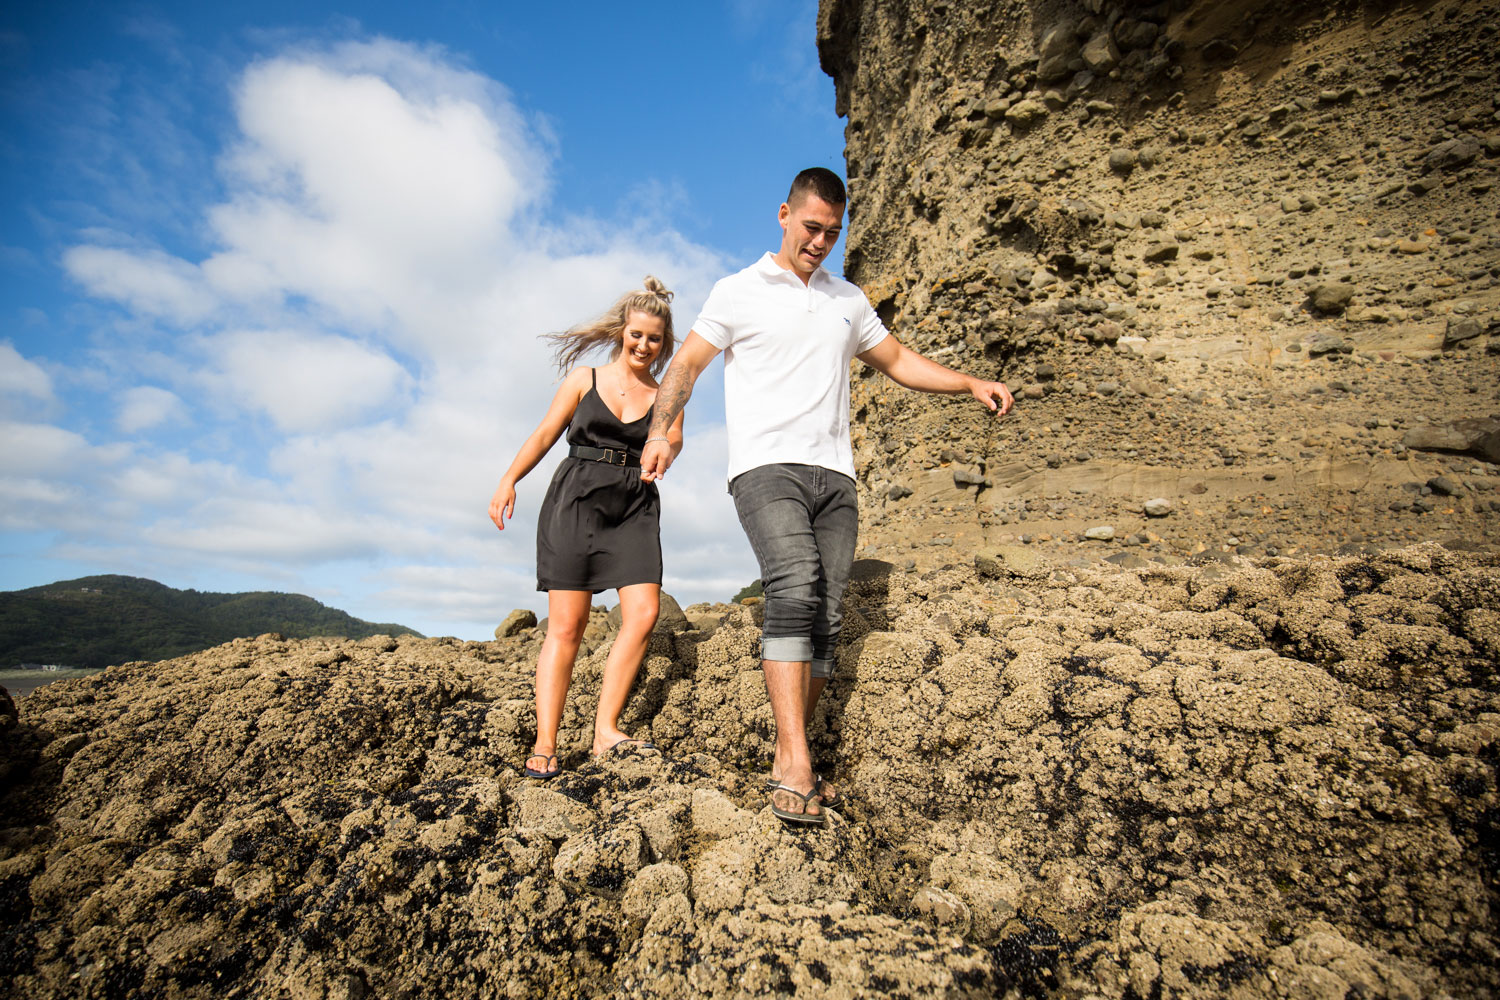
546 772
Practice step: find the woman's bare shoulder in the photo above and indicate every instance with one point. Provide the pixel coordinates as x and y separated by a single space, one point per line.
577 381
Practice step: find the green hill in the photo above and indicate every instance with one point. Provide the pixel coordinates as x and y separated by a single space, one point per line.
97 621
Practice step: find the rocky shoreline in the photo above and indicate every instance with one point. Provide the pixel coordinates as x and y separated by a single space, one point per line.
1272 778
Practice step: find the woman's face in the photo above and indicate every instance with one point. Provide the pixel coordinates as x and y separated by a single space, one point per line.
641 341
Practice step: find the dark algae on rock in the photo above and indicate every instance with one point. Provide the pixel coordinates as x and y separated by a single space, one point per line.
1269 779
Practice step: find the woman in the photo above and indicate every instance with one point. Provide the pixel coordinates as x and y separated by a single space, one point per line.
598 526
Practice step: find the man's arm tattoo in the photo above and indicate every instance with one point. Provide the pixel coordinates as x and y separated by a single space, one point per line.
676 388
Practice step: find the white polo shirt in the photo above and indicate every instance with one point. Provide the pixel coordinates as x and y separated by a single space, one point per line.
787 348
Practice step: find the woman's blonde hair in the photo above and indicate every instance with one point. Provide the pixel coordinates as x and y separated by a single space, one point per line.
653 300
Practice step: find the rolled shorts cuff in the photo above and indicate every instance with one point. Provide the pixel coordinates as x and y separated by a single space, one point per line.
822 668
786 648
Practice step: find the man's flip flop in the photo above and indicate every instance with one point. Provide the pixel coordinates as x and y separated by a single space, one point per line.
643 744
803 818
545 772
833 803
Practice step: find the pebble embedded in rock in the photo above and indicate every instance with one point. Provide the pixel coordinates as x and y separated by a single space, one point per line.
1159 252
1026 113
1122 161
1320 343
1332 297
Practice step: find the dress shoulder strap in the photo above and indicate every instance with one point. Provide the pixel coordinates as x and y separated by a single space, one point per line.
594 378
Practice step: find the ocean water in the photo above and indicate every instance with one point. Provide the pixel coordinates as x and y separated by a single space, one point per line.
22 682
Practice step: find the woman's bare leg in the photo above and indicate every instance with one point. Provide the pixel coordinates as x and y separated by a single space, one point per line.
567 617
639 605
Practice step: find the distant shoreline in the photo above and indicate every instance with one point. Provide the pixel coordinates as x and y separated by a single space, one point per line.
23 681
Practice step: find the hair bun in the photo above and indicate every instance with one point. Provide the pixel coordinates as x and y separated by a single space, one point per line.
655 287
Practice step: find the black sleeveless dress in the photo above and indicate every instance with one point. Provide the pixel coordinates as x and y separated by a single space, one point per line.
600 525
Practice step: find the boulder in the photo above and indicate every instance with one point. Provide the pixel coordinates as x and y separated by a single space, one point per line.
1478 436
1009 560
1332 297
1059 50
1024 114
1461 329
1122 161
1451 155
1099 53
515 623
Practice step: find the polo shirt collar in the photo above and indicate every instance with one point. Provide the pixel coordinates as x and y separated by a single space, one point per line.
767 268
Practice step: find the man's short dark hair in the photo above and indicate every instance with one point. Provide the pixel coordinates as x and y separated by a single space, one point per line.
819 181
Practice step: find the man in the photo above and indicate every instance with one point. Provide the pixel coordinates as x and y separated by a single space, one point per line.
789 330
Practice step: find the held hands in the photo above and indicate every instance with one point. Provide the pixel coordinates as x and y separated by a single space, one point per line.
656 458
503 504
989 393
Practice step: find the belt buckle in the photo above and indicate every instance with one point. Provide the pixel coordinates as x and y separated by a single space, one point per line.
609 457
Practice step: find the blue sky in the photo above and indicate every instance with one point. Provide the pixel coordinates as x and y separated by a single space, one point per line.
272 277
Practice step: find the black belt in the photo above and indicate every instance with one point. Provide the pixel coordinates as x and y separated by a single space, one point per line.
609 456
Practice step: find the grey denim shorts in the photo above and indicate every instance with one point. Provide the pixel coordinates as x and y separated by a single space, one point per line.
802 522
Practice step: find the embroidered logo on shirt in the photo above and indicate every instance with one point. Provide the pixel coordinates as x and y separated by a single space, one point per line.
846 320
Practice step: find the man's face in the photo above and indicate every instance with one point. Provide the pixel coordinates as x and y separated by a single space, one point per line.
810 227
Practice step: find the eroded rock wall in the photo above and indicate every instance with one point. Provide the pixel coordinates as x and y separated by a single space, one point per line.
1240 256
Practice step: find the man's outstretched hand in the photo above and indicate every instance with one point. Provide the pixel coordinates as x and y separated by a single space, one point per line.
994 395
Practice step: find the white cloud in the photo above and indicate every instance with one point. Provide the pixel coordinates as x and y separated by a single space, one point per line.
469 599
302 381
33 449
45 473
23 383
173 480
271 531
698 519
373 201
25 500
151 282
143 407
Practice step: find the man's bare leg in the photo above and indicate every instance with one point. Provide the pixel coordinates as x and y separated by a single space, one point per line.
815 686
788 687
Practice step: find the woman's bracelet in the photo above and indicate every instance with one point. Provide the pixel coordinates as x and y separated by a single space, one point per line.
649 440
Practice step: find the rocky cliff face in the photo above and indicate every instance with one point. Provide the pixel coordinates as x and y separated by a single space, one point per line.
1241 257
